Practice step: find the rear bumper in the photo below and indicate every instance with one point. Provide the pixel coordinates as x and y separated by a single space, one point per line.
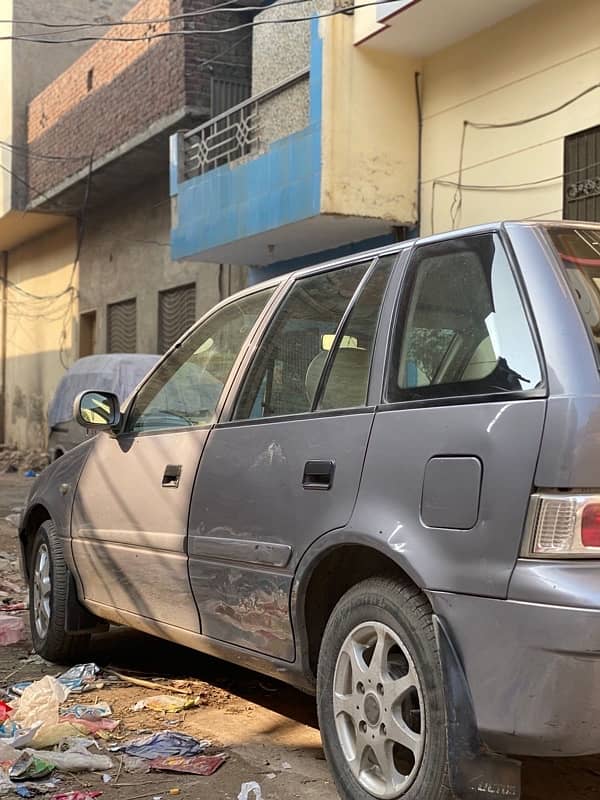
533 669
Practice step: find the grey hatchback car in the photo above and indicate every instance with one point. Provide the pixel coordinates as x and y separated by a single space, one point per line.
377 479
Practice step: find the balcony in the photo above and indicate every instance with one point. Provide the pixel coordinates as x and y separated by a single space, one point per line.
284 175
241 132
420 28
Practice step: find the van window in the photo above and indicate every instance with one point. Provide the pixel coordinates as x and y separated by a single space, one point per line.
579 252
462 329
287 369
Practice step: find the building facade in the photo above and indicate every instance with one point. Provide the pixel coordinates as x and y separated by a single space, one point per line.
37 250
95 167
411 115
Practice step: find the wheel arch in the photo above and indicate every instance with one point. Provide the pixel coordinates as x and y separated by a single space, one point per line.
335 563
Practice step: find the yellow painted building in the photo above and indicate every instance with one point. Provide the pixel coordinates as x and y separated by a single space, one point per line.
38 286
510 101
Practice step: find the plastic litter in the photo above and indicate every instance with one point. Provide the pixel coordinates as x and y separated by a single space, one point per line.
12 629
166 703
81 678
106 778
75 759
95 712
8 754
29 767
162 745
5 710
11 734
77 796
23 791
194 765
253 787
99 726
30 473
40 702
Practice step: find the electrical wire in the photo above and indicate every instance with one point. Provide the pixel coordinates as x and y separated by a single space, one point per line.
42 156
187 32
223 7
456 205
501 187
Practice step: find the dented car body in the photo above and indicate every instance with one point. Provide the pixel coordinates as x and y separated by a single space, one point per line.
426 414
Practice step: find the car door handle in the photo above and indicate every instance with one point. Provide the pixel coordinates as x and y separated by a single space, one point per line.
171 476
318 474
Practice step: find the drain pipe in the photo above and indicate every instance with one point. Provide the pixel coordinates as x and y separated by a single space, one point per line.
419 97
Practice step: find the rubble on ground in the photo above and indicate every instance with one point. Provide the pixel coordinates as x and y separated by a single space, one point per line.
14 460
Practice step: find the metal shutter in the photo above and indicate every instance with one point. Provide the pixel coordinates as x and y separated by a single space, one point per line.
122 327
582 176
176 313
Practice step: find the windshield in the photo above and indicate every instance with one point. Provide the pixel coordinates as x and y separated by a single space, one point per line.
579 250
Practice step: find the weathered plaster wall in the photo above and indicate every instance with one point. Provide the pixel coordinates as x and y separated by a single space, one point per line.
554 54
369 129
39 331
126 254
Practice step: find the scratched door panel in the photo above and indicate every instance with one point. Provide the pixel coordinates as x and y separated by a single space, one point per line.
252 518
129 531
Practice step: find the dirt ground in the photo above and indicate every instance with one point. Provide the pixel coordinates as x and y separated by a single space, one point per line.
268 730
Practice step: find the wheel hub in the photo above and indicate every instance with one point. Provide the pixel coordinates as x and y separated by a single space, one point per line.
372 710
378 710
42 591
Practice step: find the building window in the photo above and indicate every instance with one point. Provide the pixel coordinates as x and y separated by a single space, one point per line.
176 313
87 334
582 176
122 327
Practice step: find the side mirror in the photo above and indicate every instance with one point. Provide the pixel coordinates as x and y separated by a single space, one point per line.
97 410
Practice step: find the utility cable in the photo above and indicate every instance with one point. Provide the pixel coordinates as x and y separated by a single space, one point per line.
456 205
187 32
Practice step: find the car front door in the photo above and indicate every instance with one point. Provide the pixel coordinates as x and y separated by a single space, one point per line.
285 467
131 508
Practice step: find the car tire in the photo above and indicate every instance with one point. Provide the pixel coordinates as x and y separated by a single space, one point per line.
380 695
48 581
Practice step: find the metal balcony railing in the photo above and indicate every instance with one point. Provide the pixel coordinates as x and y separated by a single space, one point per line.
234 134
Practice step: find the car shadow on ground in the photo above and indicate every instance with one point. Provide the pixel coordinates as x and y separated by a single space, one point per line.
144 656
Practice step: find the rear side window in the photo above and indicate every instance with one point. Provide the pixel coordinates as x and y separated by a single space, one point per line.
579 251
462 329
287 369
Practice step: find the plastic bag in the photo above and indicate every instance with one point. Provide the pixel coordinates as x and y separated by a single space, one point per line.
163 744
40 703
95 712
253 787
12 629
81 678
29 767
75 759
5 711
77 796
166 703
8 754
193 765
11 734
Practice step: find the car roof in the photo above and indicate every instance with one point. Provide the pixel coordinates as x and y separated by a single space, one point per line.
396 247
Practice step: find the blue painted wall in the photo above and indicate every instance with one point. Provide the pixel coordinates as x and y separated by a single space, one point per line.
278 188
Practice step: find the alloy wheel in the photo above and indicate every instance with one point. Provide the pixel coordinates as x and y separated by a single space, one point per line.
42 590
379 711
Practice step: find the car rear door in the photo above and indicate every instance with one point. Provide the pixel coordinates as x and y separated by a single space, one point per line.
451 458
130 515
284 466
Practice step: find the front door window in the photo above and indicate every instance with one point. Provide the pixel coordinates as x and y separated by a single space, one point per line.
186 387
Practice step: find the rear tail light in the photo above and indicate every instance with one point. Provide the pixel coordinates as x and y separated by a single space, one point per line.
563 526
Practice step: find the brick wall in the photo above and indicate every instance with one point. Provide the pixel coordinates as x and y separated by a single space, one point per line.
116 90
